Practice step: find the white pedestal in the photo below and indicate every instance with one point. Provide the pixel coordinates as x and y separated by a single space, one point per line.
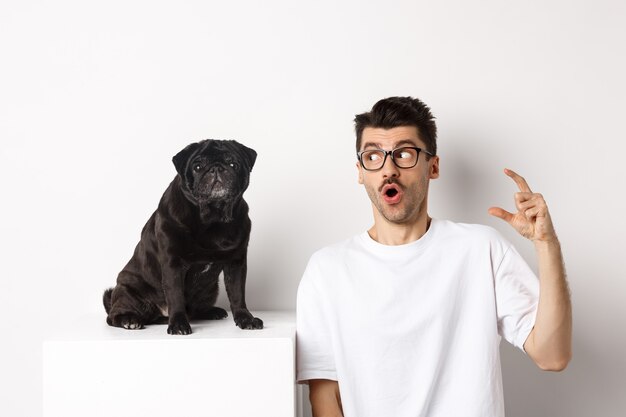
219 370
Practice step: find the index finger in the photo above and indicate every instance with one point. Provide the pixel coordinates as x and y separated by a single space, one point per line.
519 180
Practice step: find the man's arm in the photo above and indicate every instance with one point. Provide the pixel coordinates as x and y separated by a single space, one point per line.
549 344
325 398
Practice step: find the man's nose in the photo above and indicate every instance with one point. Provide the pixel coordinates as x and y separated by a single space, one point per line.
389 169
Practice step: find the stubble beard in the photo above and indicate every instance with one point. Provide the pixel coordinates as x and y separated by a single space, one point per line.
408 210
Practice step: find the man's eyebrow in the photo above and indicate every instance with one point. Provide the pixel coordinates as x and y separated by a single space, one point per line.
405 142
371 145
395 145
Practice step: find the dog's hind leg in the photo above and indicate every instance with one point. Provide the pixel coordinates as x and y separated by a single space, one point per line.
208 313
129 310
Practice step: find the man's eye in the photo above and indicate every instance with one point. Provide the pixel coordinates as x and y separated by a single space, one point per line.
405 153
373 156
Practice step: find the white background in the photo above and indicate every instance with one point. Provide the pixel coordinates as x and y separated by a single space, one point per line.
96 98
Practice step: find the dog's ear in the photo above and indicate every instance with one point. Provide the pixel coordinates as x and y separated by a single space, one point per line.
181 158
249 156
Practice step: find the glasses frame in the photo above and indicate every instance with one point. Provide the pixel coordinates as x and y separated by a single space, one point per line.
359 156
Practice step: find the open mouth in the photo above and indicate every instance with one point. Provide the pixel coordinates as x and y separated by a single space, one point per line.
392 193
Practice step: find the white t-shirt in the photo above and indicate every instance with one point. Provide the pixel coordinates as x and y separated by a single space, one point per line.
413 330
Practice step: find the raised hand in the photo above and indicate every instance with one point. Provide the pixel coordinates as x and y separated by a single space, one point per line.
532 219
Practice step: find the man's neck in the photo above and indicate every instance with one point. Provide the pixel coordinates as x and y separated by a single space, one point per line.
394 234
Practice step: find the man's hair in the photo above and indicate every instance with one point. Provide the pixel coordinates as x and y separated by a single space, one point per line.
399 111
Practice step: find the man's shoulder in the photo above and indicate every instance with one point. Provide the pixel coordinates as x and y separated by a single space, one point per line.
472 231
323 263
334 251
470 236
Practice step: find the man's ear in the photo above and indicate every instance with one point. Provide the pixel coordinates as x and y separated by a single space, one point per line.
181 158
434 168
360 171
249 156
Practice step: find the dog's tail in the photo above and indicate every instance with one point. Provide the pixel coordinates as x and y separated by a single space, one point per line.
106 299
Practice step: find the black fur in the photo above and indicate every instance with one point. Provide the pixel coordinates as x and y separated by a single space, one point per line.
200 228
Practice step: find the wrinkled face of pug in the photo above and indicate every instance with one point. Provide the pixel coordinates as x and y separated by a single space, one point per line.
215 170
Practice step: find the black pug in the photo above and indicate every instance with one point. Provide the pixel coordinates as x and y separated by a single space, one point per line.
200 229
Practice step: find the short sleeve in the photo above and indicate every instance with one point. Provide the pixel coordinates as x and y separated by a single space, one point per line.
517 298
314 355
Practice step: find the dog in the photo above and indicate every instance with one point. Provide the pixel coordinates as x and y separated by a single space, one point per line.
200 228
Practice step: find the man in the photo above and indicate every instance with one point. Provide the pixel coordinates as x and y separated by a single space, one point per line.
406 318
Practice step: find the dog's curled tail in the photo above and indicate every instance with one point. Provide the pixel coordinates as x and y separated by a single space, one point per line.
106 299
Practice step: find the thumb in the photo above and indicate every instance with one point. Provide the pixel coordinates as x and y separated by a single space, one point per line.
501 213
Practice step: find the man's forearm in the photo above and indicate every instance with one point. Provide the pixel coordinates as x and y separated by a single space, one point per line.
325 398
550 342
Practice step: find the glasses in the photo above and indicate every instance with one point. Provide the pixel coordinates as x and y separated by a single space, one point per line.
405 157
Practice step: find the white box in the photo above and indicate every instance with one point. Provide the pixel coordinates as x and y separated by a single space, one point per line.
219 370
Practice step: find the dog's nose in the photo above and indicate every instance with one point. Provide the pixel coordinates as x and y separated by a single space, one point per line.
216 169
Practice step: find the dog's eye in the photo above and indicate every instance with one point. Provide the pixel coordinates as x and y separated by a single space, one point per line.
197 167
233 165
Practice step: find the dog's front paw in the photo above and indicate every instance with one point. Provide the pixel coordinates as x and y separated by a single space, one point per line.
245 320
178 324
